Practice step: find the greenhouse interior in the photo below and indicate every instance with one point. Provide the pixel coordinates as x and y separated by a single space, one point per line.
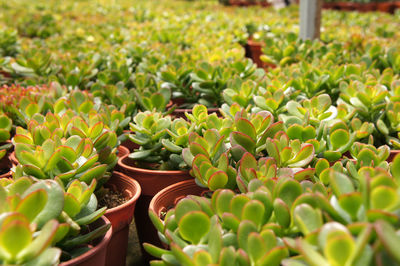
200 132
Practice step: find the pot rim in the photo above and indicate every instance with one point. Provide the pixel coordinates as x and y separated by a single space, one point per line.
148 171
133 183
93 251
180 186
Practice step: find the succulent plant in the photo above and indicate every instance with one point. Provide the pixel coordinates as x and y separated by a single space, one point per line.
311 111
40 214
65 148
5 128
161 140
209 159
252 131
289 153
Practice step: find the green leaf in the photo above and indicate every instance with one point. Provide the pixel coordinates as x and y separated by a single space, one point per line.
282 213
40 243
339 248
389 238
246 127
253 211
32 204
303 157
217 180
94 173
14 237
274 257
194 226
340 183
185 206
307 219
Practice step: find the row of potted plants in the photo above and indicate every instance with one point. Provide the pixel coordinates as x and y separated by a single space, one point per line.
63 166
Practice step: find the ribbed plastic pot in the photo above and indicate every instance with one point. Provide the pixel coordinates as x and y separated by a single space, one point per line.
96 256
13 159
171 195
121 217
151 182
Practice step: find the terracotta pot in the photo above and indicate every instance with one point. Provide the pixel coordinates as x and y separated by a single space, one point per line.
128 143
387 7
122 151
13 159
329 5
169 197
5 164
96 256
121 217
180 113
151 182
347 6
367 7
254 50
393 153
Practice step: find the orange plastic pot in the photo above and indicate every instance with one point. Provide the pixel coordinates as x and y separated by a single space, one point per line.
151 182
5 166
393 154
121 217
13 159
96 256
171 195
122 151
387 7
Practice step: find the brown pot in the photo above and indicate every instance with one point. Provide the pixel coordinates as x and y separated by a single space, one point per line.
169 197
122 151
393 154
96 256
329 5
347 6
121 217
5 166
128 143
387 7
367 7
13 159
254 51
151 182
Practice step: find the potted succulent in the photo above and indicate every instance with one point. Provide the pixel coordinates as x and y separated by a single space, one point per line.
62 217
79 151
157 163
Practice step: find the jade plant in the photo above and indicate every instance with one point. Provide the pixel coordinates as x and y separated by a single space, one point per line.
5 128
58 147
40 215
161 140
210 160
251 132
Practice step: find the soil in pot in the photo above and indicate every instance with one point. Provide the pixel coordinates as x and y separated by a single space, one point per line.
121 198
96 255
